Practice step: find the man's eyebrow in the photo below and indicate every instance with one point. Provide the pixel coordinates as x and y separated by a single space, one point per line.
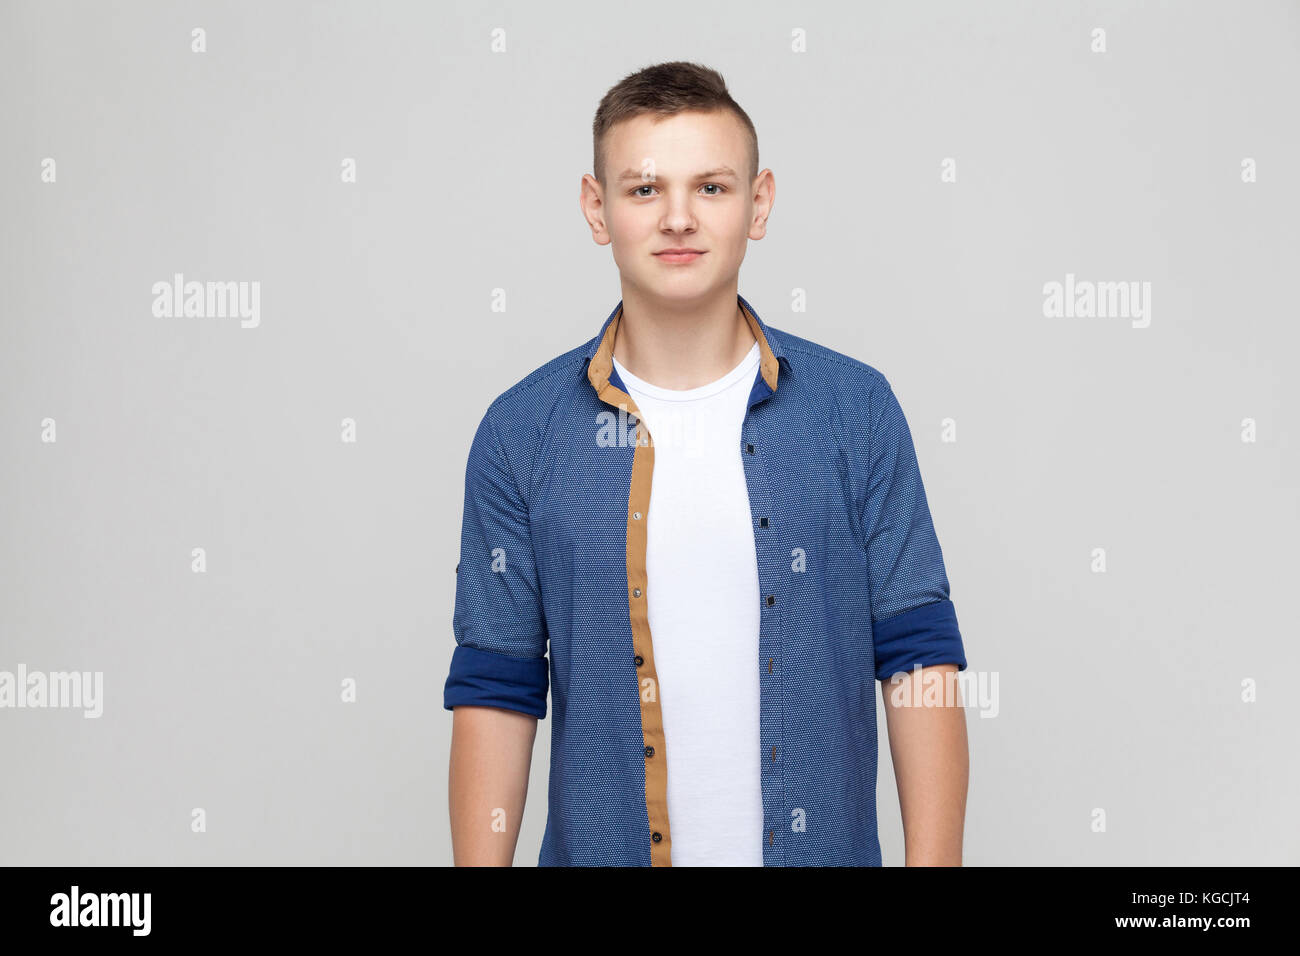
633 175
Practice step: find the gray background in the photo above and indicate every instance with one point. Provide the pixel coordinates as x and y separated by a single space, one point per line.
329 560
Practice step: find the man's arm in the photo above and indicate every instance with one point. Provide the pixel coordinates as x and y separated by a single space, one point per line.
931 762
497 682
491 753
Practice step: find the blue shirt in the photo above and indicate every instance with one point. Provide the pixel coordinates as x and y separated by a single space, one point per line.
551 591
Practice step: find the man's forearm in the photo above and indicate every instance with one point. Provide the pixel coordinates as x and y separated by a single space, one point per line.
491 753
927 738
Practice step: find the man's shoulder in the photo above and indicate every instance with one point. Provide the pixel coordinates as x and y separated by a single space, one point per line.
544 384
519 414
819 364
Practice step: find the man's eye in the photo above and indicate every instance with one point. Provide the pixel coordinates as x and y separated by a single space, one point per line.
720 189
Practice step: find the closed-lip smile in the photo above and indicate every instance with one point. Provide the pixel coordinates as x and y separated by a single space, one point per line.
681 256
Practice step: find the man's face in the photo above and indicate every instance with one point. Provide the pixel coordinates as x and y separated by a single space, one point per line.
676 182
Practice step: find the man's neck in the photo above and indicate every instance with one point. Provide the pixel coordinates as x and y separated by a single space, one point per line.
682 348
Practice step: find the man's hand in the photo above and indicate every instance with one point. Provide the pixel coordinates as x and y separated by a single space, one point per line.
927 738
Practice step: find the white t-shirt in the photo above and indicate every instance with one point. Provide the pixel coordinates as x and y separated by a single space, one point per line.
703 602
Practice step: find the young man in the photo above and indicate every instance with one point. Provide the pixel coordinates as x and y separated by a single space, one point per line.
718 530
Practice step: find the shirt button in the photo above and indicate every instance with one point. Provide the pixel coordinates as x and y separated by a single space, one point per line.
636 516
649 751
749 448
771 599
656 836
636 592
639 660
762 522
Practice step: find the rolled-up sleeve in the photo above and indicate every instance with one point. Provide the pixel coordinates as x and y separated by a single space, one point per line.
913 620
500 655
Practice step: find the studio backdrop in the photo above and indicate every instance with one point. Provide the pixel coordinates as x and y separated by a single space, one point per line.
1066 233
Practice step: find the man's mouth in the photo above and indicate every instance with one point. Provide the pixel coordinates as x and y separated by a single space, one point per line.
682 254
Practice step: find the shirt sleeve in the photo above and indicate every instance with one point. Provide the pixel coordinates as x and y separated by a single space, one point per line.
913 621
500 655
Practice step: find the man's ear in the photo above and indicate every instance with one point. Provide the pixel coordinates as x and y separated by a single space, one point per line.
591 203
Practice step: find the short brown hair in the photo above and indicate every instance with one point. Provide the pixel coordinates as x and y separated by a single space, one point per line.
666 89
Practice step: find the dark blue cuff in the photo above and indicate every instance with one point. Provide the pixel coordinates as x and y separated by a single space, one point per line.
487 679
927 635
